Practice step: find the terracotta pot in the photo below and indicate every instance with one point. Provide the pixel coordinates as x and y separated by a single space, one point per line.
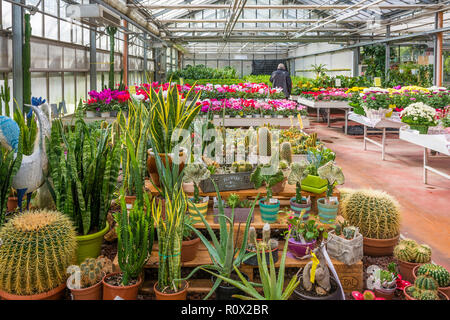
406 269
189 249
12 204
445 290
379 247
129 200
125 292
299 249
94 292
54 294
180 295
408 297
152 168
279 187
388 294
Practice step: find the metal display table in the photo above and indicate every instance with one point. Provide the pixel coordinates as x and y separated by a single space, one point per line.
328 105
380 123
436 142
257 122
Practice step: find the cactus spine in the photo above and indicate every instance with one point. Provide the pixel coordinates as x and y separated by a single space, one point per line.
375 213
424 288
422 254
403 252
36 251
286 152
408 250
93 270
437 272
425 283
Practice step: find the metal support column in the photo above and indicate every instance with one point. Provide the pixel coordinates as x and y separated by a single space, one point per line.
17 35
145 58
438 39
356 62
125 55
93 59
387 63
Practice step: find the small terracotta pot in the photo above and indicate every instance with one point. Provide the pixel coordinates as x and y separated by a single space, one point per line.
153 169
54 294
408 297
94 292
189 249
180 295
125 292
445 290
379 247
12 204
388 294
406 269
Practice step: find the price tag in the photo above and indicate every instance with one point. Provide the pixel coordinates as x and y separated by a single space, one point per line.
377 81
273 200
338 82
132 89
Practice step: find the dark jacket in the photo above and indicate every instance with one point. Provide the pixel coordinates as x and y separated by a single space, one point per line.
282 79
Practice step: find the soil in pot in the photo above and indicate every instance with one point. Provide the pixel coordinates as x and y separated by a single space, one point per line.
170 294
226 291
112 287
301 294
253 261
379 247
94 292
189 249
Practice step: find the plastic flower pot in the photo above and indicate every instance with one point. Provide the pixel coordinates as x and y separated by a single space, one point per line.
388 294
110 292
180 295
269 212
279 187
423 129
54 294
189 249
302 294
94 292
105 114
202 208
406 269
298 207
314 184
89 246
299 249
445 290
12 204
90 114
327 212
152 168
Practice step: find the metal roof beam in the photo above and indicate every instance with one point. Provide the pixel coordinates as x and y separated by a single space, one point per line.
165 21
286 6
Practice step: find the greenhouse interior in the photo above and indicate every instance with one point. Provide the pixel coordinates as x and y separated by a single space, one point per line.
224 150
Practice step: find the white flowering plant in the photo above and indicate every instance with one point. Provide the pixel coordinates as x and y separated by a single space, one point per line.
419 113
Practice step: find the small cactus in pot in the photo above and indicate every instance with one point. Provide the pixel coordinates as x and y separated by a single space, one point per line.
410 254
328 208
266 245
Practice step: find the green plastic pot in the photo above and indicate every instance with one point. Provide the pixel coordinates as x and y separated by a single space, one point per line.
314 184
422 128
90 245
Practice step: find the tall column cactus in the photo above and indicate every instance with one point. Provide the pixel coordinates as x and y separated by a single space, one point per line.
26 64
5 95
111 32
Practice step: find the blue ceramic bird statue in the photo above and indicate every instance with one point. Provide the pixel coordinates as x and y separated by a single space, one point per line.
34 168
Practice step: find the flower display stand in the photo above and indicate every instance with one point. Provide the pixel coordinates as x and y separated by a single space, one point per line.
256 122
436 142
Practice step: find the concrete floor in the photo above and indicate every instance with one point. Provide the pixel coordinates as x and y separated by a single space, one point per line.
425 207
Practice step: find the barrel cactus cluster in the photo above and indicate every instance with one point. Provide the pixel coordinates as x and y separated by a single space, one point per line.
92 270
37 247
437 272
375 213
424 288
409 250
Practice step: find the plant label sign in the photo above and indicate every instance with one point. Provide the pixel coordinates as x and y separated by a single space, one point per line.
273 200
377 81
338 82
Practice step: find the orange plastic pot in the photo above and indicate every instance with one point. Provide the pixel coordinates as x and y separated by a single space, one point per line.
180 295
94 292
54 294
110 292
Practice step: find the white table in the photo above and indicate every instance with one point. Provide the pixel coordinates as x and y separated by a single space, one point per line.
256 122
436 142
328 105
382 123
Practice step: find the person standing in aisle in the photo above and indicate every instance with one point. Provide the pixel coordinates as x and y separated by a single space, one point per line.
281 79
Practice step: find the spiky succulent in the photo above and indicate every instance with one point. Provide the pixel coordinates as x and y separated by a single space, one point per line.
426 283
422 254
437 272
404 253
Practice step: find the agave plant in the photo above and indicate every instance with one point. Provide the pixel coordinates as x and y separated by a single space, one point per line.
196 172
333 174
224 256
273 284
298 173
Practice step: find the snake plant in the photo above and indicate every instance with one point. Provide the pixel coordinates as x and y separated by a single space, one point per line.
224 256
272 284
84 166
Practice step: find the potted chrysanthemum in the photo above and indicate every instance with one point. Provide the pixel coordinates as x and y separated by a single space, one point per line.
419 116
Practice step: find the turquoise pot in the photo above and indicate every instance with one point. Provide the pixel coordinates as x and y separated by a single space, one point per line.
327 212
269 212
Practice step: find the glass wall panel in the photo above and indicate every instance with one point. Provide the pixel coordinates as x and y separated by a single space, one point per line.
55 57
69 58
39 52
69 91
39 85
55 87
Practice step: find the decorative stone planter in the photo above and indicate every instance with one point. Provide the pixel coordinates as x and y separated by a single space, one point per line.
90 114
297 207
269 212
299 249
105 114
327 212
346 251
240 214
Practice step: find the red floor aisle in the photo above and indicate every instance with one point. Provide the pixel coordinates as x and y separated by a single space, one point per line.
425 208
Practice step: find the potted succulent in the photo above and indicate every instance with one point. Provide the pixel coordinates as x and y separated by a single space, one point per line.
84 166
410 254
224 255
317 157
47 239
304 236
437 272
425 288
419 116
189 246
266 246
85 280
196 172
377 216
134 243
241 208
271 282
299 203
383 282
345 243
268 206
328 207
